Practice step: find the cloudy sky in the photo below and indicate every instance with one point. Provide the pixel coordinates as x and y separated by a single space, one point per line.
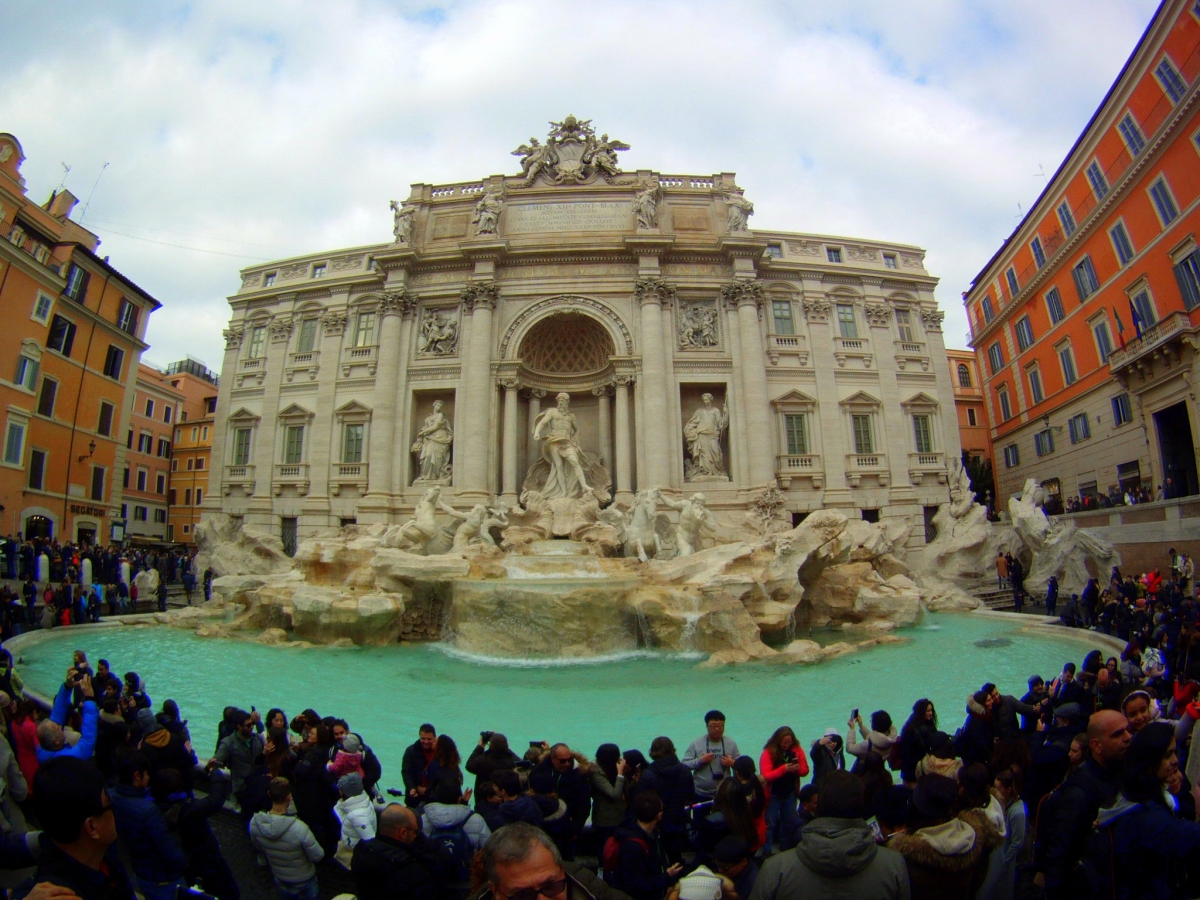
236 132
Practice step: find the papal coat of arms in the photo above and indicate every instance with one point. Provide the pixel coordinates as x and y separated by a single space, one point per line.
572 154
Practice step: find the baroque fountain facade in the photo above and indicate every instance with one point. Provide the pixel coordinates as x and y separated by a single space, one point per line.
578 410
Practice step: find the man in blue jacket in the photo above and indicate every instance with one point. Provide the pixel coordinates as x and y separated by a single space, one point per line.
158 862
51 741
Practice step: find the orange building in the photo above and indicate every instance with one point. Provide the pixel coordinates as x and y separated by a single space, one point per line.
973 432
155 409
69 352
1087 319
191 453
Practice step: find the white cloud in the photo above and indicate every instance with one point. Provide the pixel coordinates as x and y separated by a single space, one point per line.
262 130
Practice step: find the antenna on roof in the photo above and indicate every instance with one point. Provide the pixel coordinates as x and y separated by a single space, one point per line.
1020 212
66 172
83 214
1040 173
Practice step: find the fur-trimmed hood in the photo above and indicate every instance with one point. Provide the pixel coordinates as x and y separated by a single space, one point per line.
975 709
955 846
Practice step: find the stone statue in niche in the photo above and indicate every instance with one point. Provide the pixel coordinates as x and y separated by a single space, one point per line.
487 212
695 522
698 327
645 207
703 433
558 431
402 222
433 448
438 335
737 211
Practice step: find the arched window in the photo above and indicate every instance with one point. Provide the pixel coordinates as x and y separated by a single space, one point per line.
964 375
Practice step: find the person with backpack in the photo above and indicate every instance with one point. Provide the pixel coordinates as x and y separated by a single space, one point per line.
634 859
1140 847
448 820
1065 815
400 861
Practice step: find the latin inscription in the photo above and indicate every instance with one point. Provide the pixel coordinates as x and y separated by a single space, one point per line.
539 218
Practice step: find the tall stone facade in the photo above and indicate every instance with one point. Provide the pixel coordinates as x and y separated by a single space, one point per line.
698 355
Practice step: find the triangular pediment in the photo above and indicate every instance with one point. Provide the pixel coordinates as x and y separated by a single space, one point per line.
295 411
243 415
794 398
921 399
353 408
860 398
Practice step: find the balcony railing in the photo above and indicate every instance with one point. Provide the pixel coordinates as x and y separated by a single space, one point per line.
353 474
293 474
23 240
359 356
852 348
860 464
799 465
922 464
1151 338
239 476
307 362
912 351
787 344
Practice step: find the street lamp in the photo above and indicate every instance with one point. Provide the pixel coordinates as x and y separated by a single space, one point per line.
91 451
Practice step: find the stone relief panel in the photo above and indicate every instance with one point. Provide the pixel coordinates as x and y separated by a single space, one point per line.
913 260
804 248
437 334
288 272
342 263
698 325
251 280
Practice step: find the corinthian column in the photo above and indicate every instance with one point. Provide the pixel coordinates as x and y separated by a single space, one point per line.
747 296
509 467
650 293
535 408
623 474
381 450
471 456
605 417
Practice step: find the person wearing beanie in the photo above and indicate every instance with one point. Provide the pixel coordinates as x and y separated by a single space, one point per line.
838 856
947 855
355 811
348 758
164 749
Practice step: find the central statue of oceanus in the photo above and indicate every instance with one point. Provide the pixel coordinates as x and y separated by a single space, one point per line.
565 470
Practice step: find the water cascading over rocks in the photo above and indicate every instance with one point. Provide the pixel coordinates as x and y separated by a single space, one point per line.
735 601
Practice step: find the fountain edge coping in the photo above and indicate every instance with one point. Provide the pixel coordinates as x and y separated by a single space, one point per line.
1052 626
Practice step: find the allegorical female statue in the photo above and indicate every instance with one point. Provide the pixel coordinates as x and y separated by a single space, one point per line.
703 433
557 430
433 447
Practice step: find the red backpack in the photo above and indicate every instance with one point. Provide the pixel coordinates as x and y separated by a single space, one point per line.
610 858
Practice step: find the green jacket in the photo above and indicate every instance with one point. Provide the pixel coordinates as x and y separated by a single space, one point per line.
837 859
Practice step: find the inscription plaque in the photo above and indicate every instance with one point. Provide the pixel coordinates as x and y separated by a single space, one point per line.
537 218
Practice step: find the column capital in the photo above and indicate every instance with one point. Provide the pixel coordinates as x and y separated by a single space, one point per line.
482 294
601 391
511 384
743 293
653 290
399 302
536 393
623 380
932 319
817 310
233 337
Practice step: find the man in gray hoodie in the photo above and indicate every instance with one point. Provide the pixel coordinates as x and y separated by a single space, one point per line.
288 844
838 856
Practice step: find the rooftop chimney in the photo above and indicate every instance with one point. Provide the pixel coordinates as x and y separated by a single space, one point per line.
61 203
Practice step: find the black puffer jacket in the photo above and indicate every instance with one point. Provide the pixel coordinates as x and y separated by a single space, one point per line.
672 781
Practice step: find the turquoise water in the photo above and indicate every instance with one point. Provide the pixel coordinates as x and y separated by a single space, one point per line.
387 692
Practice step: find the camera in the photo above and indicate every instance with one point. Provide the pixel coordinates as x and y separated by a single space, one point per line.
486 736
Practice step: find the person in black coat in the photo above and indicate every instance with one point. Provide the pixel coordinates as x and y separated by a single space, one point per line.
827 755
571 785
419 767
977 739
917 738
315 792
672 782
1052 595
491 756
400 861
188 819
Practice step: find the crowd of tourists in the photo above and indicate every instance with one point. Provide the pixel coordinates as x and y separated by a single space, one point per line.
1130 495
73 595
1074 788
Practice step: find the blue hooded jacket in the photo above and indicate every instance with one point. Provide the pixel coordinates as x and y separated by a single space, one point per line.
91 723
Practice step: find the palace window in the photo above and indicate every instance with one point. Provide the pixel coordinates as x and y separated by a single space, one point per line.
964 375
1103 338
1054 305
1131 133
127 317
352 443
46 398
1043 442
797 434
37 469
1143 308
77 280
104 425
308 336
847 324
1096 176
1086 282
1014 287
14 443
995 357
863 436
1121 243
1164 203
1065 217
62 335
904 325
258 341
922 433
1012 457
1005 405
971 418
833 254
1024 333
364 329
986 306
1170 79
1187 273
27 370
1067 360
1039 255
293 444
41 307
241 447
114 359
1035 385
98 475
1122 414
890 261
1078 428
781 312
